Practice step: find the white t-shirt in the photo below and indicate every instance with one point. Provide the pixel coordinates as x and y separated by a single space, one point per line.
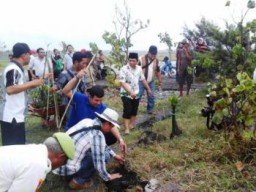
14 105
67 60
40 66
23 167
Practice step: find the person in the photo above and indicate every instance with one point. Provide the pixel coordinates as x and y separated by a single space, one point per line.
25 167
184 69
129 77
67 60
91 150
14 105
150 66
57 62
99 65
40 65
85 106
201 47
167 68
80 61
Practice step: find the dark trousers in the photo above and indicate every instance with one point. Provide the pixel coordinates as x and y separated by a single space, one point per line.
13 133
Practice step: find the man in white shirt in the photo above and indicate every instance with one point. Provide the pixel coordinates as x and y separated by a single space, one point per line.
39 65
24 167
14 106
130 76
67 60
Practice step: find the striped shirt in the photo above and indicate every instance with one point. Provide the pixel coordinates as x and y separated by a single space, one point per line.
92 140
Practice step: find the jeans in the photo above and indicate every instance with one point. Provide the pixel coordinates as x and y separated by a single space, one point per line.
87 169
150 99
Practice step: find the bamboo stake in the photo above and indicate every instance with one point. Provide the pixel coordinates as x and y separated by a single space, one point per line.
71 98
56 106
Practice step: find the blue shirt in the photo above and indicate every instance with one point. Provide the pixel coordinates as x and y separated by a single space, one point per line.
81 109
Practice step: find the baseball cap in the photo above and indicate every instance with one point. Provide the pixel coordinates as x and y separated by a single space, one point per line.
66 144
19 49
153 50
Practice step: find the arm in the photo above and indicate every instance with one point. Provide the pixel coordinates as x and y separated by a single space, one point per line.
117 135
187 53
19 88
98 147
11 83
67 90
145 83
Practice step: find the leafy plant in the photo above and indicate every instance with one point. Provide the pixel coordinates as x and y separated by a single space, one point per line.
43 97
235 106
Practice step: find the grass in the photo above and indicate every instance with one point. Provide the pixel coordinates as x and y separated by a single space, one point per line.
197 160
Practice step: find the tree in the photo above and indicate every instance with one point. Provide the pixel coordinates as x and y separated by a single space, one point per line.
125 29
165 38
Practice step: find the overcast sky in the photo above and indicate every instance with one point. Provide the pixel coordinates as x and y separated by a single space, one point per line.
79 22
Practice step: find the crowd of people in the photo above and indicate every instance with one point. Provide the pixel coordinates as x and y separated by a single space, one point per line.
91 128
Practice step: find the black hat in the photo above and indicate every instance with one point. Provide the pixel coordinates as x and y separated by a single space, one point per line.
19 49
78 56
153 50
88 54
133 56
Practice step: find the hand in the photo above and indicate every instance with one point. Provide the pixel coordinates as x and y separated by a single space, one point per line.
48 76
38 82
53 89
133 95
115 176
123 146
149 92
120 159
81 73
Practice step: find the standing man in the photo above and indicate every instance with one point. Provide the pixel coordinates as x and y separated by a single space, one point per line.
24 167
184 69
14 87
150 67
91 150
39 65
130 76
67 60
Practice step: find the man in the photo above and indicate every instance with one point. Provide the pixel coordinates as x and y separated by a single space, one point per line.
184 69
24 167
14 105
91 150
85 107
39 65
80 61
130 76
67 60
150 66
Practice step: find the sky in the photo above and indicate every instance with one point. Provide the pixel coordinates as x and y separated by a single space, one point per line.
79 22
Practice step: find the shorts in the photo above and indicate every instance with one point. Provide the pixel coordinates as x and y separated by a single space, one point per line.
185 77
130 107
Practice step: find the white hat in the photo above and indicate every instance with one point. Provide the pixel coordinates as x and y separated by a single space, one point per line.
109 115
